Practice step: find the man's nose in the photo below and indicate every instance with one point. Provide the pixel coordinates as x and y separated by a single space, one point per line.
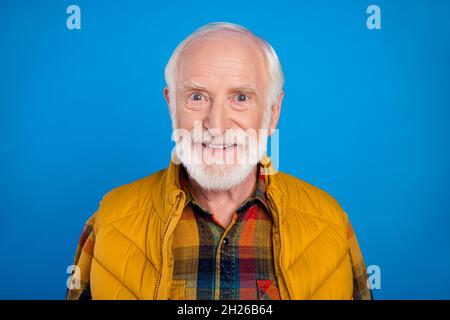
216 120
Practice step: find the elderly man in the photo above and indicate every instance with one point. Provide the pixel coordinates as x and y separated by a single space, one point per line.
220 222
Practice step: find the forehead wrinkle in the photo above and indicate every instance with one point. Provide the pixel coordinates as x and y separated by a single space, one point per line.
220 64
238 72
239 61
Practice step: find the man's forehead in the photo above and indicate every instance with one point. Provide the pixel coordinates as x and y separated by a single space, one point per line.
207 73
222 60
221 40
234 56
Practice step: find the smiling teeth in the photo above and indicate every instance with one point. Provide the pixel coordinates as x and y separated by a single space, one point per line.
215 146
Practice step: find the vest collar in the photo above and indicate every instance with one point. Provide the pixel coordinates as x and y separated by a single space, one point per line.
170 188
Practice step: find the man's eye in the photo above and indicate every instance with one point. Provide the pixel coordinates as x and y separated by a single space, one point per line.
195 96
242 98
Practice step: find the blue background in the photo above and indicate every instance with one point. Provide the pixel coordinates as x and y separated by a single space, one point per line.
365 117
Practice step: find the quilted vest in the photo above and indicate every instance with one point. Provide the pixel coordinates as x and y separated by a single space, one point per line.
134 226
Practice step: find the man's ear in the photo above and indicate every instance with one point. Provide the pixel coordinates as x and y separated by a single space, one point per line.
166 96
276 110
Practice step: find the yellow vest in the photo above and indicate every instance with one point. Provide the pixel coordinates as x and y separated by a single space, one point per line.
134 227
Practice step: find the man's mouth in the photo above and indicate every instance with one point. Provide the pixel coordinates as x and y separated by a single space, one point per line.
218 146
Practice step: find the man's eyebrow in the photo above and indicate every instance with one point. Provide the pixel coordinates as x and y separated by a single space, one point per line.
246 89
194 85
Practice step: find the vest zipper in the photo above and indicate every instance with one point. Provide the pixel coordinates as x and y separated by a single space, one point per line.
280 263
175 207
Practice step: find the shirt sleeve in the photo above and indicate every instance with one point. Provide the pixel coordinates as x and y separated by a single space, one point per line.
361 290
79 288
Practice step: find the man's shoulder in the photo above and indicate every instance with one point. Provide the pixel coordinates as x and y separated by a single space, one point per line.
128 199
305 198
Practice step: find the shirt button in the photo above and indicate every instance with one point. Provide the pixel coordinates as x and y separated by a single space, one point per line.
225 241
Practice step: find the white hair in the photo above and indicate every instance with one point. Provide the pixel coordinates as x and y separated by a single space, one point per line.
276 77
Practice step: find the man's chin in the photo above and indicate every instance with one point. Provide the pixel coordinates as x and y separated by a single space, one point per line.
218 169
219 176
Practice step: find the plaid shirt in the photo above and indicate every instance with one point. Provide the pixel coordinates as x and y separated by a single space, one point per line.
216 262
225 263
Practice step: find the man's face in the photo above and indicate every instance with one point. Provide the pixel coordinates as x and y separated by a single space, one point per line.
221 84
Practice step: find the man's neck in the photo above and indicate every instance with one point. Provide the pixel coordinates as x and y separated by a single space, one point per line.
223 203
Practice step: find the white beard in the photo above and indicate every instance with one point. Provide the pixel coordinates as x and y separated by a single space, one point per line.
214 175
219 176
